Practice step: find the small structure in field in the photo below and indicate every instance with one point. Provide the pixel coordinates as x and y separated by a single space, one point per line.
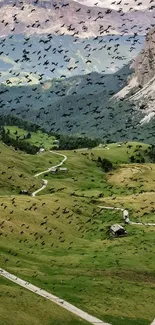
63 169
41 150
24 192
56 142
53 170
117 230
126 216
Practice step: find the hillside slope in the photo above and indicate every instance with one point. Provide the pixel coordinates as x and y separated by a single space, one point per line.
80 105
18 169
60 243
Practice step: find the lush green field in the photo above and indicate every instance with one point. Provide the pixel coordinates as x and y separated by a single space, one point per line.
20 306
117 154
59 241
38 139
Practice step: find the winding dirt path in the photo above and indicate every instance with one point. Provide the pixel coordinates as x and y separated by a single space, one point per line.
45 182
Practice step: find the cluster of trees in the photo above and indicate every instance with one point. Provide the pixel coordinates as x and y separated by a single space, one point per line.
17 143
15 121
27 136
138 159
67 142
105 164
151 153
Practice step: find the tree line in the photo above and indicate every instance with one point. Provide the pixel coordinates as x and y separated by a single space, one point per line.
152 153
11 120
17 143
66 142
69 142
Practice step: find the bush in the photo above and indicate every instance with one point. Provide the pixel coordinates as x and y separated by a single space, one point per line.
132 159
105 164
151 153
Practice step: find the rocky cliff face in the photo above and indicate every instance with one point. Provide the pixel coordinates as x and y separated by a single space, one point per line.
144 64
141 86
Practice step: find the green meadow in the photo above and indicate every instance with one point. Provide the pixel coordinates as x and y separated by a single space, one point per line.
59 240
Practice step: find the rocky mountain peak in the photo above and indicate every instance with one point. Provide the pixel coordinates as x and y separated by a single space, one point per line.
143 70
144 64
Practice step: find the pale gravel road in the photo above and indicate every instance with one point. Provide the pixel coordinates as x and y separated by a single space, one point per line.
130 222
64 304
45 182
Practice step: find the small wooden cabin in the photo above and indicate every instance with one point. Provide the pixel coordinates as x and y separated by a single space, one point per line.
117 230
64 169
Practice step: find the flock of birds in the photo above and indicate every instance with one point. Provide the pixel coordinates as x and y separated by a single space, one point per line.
48 233
46 57
45 230
45 234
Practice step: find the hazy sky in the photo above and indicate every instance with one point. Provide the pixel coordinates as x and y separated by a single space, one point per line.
125 4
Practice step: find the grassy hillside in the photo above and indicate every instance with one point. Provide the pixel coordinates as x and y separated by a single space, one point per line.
38 139
28 308
119 152
59 241
18 169
86 178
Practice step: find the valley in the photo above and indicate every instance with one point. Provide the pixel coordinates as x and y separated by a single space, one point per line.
83 96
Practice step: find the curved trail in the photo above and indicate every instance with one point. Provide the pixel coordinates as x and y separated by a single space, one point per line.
64 304
45 182
130 222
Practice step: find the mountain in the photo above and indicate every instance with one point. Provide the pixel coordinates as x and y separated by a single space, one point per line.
71 18
43 40
62 82
63 102
141 87
79 105
144 64
120 5
40 57
57 89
